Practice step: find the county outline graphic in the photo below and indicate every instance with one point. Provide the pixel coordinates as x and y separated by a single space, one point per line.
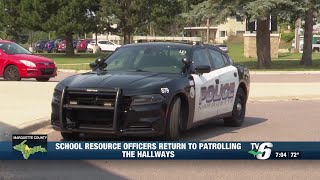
27 151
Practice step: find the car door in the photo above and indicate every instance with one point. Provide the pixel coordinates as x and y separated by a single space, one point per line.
102 45
228 80
204 87
110 46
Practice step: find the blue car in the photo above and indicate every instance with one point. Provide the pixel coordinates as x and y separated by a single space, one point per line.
50 47
39 46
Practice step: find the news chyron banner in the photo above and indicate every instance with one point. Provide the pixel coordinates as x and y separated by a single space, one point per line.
36 147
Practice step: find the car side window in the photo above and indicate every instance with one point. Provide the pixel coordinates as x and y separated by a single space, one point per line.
217 59
108 42
226 61
200 58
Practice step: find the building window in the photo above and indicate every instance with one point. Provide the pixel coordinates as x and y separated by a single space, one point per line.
223 34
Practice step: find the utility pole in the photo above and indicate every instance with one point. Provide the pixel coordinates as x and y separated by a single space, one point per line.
208 30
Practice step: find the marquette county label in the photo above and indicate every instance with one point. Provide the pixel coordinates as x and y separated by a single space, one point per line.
29 145
27 151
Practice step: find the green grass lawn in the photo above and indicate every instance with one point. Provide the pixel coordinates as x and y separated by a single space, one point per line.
286 61
61 58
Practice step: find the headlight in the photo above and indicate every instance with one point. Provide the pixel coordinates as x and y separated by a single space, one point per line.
57 96
147 99
28 63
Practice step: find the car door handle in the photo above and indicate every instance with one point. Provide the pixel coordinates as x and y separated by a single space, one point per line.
217 81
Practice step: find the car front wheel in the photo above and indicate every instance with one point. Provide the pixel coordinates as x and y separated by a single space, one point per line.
239 110
173 123
11 73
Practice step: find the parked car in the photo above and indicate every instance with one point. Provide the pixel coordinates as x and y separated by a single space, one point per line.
223 47
16 62
63 45
50 47
39 46
104 45
57 42
152 89
82 45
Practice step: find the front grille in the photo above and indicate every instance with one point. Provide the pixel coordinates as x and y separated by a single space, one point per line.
45 63
47 71
82 108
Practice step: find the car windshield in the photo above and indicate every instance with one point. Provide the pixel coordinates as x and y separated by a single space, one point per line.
159 59
13 48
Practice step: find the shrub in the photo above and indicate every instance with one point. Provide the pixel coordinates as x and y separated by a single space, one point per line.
287 37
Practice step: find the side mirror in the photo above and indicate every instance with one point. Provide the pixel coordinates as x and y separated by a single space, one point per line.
186 61
93 65
99 60
202 69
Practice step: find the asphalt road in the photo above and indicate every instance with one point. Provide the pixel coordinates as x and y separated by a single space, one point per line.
265 121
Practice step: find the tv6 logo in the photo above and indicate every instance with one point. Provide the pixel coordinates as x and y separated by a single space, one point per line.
263 150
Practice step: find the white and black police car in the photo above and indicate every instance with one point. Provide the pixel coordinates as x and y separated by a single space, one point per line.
152 89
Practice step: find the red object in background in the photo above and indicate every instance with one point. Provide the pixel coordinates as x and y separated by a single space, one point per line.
82 45
62 46
17 62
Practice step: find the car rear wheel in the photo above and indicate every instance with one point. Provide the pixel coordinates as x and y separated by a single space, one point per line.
173 123
11 73
69 136
42 79
239 110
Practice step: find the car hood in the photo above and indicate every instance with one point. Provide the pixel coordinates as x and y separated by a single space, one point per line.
130 82
31 57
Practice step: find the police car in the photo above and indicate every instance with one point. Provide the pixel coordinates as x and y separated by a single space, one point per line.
152 89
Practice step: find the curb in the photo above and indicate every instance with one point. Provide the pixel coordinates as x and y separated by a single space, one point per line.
73 71
25 128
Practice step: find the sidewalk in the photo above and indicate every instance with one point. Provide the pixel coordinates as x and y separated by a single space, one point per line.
24 105
284 91
27 105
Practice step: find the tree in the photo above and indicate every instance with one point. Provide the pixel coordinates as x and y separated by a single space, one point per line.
306 10
311 8
68 17
259 10
127 14
9 23
164 17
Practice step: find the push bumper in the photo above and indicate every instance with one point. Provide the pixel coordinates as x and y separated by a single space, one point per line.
145 120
